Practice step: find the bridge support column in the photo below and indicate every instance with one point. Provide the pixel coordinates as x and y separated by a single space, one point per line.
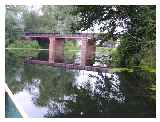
88 48
56 50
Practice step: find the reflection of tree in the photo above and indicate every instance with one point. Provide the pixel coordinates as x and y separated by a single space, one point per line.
45 83
43 55
54 83
93 102
107 98
55 110
139 97
70 57
103 59
14 65
14 68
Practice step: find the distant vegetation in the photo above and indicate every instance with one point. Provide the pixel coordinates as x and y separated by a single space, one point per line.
23 48
71 46
24 44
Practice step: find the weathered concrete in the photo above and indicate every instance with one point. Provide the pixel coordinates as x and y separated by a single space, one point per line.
88 48
51 50
83 47
56 50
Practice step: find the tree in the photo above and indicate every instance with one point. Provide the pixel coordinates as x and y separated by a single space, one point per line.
59 18
138 26
13 25
140 38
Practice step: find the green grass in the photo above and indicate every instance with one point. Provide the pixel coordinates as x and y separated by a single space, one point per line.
104 49
150 69
121 69
130 69
24 44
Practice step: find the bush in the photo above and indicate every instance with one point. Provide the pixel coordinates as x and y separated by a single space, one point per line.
24 44
24 48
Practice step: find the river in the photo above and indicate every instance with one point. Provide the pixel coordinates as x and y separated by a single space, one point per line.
46 91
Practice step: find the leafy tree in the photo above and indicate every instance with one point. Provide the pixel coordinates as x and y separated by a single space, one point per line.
13 26
140 38
137 35
59 18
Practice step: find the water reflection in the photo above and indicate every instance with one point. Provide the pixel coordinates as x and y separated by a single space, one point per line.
45 91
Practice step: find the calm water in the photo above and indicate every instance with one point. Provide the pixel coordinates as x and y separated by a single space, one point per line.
45 91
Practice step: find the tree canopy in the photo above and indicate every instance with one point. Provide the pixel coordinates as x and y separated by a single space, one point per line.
135 26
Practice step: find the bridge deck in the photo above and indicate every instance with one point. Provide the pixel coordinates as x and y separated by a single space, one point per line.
70 66
61 36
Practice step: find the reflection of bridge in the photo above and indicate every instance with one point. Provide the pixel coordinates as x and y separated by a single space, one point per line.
70 66
56 50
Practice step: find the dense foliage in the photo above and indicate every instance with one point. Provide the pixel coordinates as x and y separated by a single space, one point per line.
135 26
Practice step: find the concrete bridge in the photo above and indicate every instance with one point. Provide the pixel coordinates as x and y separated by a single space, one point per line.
56 50
56 45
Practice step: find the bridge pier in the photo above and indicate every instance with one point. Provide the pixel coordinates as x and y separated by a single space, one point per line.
56 50
88 48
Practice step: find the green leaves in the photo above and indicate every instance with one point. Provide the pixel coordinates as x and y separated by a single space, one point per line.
137 34
21 48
